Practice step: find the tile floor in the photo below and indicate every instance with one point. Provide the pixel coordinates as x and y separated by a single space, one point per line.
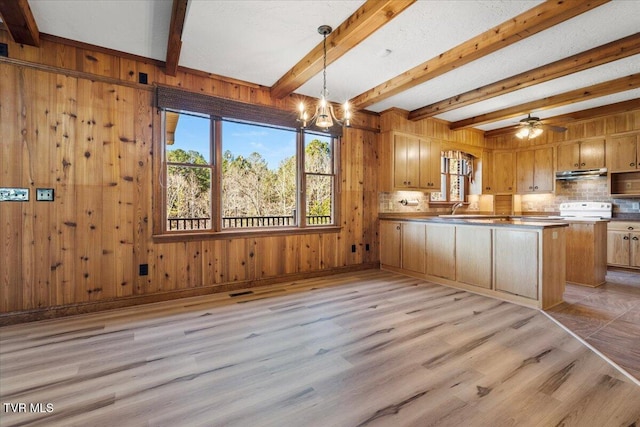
607 317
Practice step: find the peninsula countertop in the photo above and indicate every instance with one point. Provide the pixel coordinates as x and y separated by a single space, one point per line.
481 220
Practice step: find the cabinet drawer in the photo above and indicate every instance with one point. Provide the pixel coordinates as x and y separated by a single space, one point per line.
624 226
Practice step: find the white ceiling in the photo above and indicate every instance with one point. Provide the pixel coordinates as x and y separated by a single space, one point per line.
258 41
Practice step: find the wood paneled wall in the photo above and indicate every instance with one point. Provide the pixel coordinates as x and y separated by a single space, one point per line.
76 120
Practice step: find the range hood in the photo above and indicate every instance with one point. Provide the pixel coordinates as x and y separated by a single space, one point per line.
581 174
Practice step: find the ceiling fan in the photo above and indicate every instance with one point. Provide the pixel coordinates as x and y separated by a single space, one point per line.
531 127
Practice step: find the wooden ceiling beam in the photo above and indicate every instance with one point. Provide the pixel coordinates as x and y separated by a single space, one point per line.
370 17
601 89
18 19
563 119
174 42
600 55
539 18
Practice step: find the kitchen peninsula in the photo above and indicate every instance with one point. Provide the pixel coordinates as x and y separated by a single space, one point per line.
521 261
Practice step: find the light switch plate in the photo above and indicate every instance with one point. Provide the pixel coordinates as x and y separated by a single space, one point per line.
44 194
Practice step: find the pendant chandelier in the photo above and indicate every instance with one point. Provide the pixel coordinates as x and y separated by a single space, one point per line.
324 115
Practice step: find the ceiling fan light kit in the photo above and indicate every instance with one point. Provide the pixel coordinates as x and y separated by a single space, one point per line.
532 127
324 115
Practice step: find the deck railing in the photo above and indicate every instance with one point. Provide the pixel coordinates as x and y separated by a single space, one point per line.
244 222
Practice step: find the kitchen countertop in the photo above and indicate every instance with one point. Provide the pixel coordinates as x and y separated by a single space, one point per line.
481 220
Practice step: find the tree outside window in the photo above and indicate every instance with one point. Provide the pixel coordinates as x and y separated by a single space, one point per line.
256 174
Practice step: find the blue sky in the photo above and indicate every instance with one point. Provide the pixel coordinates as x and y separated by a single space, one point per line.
192 133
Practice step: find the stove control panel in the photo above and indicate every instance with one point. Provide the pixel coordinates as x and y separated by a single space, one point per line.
586 209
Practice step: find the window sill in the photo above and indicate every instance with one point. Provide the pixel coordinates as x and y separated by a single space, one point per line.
233 234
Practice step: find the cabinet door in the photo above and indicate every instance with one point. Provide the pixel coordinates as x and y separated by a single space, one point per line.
504 176
413 162
390 243
618 248
441 241
525 163
591 154
430 159
487 172
400 162
569 157
516 262
622 153
634 250
543 177
413 247
474 256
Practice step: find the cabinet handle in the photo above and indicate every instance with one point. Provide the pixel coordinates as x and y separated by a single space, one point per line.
487 188
575 164
530 188
629 228
409 182
582 164
397 227
510 188
625 238
535 188
634 238
404 182
632 164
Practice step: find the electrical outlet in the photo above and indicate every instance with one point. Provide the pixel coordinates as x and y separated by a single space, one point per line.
44 194
635 206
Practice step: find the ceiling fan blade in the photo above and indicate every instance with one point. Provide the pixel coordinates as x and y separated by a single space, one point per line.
555 128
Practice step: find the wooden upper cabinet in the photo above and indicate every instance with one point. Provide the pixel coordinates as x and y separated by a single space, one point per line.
406 161
503 172
409 162
581 155
487 172
543 176
524 166
535 171
592 154
623 153
430 158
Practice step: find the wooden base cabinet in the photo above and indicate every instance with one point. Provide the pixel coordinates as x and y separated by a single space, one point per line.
441 249
390 232
402 245
474 256
525 265
586 253
623 244
413 247
516 262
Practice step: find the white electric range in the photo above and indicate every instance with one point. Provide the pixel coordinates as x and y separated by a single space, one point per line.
586 211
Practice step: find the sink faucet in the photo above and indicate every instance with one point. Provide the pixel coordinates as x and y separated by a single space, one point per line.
455 207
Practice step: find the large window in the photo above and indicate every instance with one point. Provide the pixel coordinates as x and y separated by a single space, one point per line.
228 175
188 172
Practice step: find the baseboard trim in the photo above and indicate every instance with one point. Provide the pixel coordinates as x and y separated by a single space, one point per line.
55 312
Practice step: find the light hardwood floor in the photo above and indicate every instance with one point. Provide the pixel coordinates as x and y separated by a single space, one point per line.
370 348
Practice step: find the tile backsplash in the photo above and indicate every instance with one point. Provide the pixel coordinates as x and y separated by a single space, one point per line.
588 190
593 190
